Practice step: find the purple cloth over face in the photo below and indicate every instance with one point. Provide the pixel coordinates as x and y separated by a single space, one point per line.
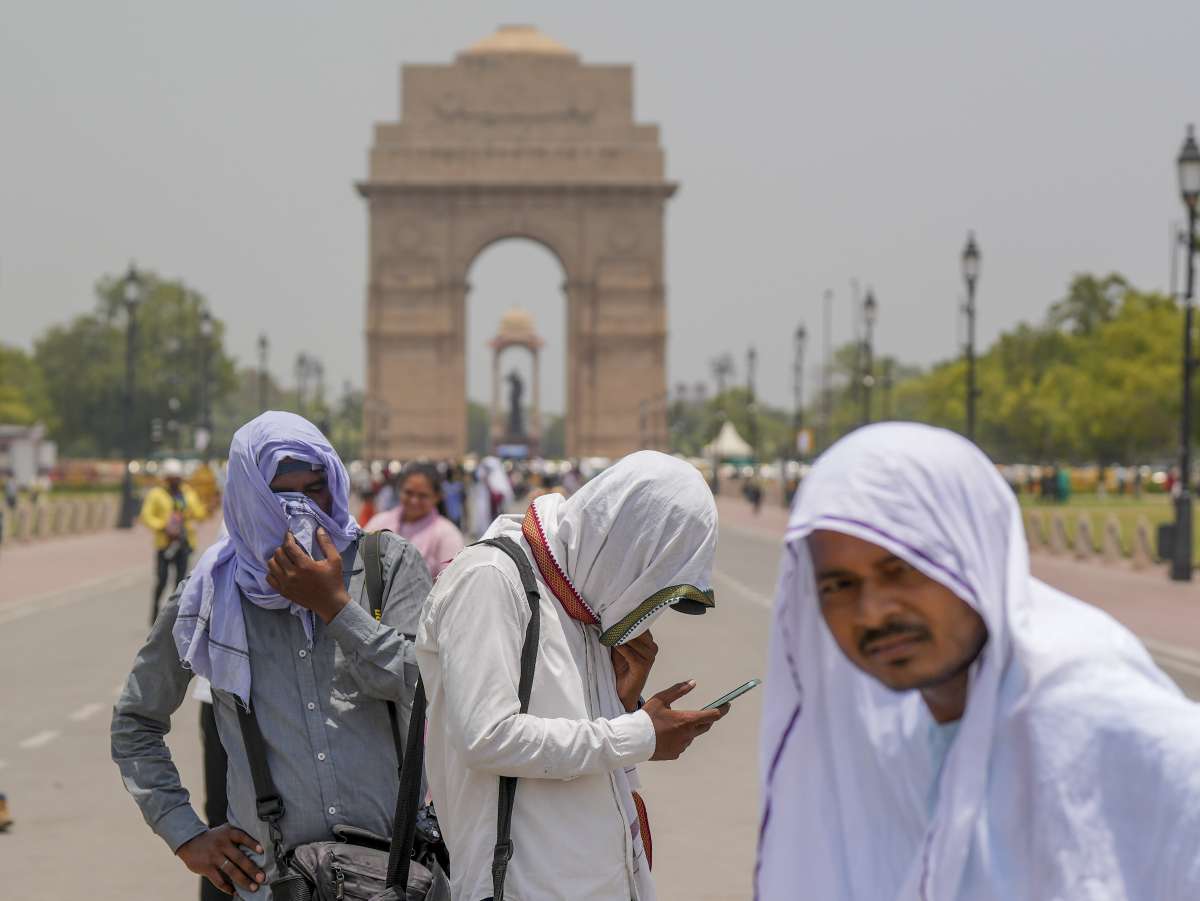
210 629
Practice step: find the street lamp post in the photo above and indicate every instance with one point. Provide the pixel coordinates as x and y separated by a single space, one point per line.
752 406
131 295
263 345
798 383
206 331
870 312
799 447
1189 188
889 382
826 366
970 271
301 372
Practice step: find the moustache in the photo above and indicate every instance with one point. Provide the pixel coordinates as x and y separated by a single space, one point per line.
890 630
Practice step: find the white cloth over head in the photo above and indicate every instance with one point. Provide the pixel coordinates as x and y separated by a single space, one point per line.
645 525
1075 773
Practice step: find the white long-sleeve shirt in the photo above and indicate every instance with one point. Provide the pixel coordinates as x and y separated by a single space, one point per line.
570 834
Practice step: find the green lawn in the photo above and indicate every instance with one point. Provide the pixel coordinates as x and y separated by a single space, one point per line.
1156 508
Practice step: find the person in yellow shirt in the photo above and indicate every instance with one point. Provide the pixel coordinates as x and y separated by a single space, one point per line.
170 511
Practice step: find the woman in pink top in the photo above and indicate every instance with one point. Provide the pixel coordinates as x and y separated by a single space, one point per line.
417 517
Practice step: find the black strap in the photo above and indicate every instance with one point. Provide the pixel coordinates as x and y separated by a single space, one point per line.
529 650
404 830
373 564
268 803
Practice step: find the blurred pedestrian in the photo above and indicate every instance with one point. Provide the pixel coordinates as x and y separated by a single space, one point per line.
490 494
938 723
454 494
754 493
419 519
171 511
366 509
572 480
1063 476
386 496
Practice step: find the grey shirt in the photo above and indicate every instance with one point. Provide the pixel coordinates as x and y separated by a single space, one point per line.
322 711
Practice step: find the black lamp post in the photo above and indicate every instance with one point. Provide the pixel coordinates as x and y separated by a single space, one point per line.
752 405
870 313
206 331
826 365
132 291
970 271
263 345
798 383
1189 188
889 382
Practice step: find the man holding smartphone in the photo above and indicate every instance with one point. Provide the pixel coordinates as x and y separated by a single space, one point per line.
635 541
276 616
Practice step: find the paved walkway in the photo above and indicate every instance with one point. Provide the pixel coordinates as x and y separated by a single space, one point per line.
1146 601
35 572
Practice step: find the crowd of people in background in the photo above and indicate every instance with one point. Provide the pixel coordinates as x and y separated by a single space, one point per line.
467 495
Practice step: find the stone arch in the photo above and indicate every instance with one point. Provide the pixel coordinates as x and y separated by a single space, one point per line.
516 139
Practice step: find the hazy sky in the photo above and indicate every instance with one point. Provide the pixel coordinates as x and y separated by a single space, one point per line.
815 143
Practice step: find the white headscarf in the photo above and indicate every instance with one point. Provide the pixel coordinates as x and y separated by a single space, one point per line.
490 479
1075 773
646 524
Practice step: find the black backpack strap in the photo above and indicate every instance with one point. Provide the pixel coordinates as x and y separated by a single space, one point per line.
268 803
408 800
373 571
529 651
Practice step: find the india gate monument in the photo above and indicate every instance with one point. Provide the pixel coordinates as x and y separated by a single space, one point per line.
517 138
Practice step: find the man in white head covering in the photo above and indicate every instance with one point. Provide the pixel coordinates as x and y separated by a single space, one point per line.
633 542
942 726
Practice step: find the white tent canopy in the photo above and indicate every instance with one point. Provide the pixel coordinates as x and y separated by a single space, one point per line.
728 445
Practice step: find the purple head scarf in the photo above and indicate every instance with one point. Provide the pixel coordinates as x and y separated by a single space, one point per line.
210 629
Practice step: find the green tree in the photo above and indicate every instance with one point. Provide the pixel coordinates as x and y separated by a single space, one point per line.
23 398
83 365
1098 382
1090 302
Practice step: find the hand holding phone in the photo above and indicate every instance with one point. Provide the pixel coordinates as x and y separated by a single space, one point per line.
733 695
674 730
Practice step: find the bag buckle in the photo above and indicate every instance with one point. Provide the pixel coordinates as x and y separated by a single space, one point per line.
504 853
269 808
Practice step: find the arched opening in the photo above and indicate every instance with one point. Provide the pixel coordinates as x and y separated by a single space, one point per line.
516 273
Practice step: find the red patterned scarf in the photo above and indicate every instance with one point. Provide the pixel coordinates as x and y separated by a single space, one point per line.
577 608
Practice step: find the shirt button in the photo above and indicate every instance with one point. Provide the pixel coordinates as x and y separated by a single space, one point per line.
320 755
312 706
332 811
304 653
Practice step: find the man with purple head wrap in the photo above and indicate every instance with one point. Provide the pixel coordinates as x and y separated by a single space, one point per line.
276 616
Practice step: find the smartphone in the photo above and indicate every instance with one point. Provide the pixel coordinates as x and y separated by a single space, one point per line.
733 695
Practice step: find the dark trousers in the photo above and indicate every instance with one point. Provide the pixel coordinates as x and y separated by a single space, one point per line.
216 765
162 569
